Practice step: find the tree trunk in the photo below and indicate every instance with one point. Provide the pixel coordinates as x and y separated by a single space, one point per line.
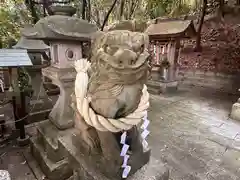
108 14
89 11
133 8
221 9
121 16
84 4
30 6
46 6
98 21
199 30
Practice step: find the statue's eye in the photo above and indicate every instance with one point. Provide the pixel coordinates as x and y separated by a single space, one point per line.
142 48
105 47
138 49
111 50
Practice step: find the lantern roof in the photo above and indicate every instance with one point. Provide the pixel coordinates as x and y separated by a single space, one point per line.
61 26
31 45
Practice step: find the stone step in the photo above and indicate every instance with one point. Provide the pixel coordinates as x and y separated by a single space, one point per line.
53 170
84 170
154 90
48 135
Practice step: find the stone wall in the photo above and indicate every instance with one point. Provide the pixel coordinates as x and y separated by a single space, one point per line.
218 81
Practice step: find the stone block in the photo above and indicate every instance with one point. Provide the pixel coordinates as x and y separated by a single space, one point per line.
47 136
53 170
168 87
154 170
51 156
235 113
158 87
90 167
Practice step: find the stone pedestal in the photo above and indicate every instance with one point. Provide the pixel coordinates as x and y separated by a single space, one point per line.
62 112
90 167
235 113
157 87
61 157
162 81
49 154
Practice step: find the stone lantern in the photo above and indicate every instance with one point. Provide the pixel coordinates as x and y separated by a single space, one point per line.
39 105
65 35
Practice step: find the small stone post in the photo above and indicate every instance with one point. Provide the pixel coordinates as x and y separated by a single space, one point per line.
235 113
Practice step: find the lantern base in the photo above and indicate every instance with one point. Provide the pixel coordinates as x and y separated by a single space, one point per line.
157 87
50 156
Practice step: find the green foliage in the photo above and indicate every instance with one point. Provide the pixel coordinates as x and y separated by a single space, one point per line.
24 80
156 8
179 7
12 17
173 8
9 28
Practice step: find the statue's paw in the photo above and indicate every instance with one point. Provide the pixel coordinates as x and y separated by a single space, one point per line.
91 138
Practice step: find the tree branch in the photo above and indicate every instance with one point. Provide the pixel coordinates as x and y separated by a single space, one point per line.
108 14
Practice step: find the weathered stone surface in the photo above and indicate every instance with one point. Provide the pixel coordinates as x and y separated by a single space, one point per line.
92 167
47 137
154 170
217 81
62 27
54 171
157 87
118 72
30 44
50 156
62 114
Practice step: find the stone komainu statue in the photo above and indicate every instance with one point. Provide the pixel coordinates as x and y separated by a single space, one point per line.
115 98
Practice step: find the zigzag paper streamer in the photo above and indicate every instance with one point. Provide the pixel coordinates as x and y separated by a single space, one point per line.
145 132
126 168
2 85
